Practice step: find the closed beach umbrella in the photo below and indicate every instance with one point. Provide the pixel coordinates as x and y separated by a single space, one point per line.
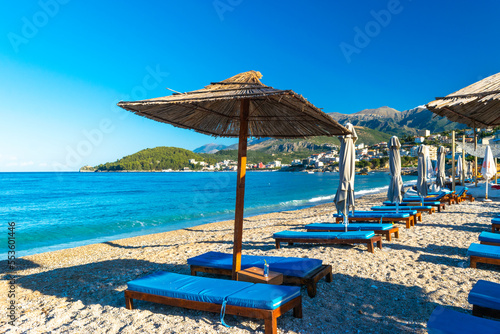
344 198
394 193
489 168
241 107
441 176
422 171
460 167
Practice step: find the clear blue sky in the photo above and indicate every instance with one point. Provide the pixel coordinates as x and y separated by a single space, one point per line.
65 64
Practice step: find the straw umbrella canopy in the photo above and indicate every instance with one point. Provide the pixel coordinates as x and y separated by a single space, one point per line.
242 107
441 175
476 105
344 198
394 193
422 170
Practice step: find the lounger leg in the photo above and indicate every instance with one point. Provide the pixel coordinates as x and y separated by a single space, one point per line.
193 272
420 218
297 311
370 246
408 223
388 236
329 277
311 289
472 262
396 234
129 303
277 244
271 325
379 244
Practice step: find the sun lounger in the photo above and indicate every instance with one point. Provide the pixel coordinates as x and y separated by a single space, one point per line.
446 321
489 238
437 204
384 229
295 270
460 194
445 197
483 254
422 208
495 225
253 300
353 237
373 216
485 299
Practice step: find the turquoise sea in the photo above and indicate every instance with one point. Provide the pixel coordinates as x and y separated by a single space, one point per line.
61 210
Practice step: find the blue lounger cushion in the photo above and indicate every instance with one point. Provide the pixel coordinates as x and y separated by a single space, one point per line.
480 250
428 198
375 214
288 266
485 294
489 237
214 291
350 227
431 203
496 220
446 321
325 235
402 208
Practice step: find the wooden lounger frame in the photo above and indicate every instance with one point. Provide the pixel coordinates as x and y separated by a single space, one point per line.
440 207
310 281
369 242
481 259
495 227
386 233
489 243
480 311
269 316
410 221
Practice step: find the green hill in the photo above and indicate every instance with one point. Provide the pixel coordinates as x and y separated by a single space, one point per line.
157 158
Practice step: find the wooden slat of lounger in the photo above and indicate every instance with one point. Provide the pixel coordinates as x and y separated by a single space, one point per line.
269 316
495 227
481 259
386 233
369 242
410 221
310 281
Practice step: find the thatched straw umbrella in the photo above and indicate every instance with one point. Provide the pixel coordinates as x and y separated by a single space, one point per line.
477 105
242 107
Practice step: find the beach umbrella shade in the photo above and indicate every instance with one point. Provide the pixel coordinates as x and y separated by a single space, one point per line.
395 191
241 107
476 105
344 197
441 175
422 171
489 168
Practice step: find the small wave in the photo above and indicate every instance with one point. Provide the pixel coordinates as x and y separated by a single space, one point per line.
358 194
321 198
409 183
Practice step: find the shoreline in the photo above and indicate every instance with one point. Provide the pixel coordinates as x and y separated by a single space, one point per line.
312 202
392 290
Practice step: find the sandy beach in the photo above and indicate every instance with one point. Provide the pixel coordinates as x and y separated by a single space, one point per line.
394 290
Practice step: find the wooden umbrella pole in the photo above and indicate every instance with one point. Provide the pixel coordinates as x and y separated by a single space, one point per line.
240 186
453 160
